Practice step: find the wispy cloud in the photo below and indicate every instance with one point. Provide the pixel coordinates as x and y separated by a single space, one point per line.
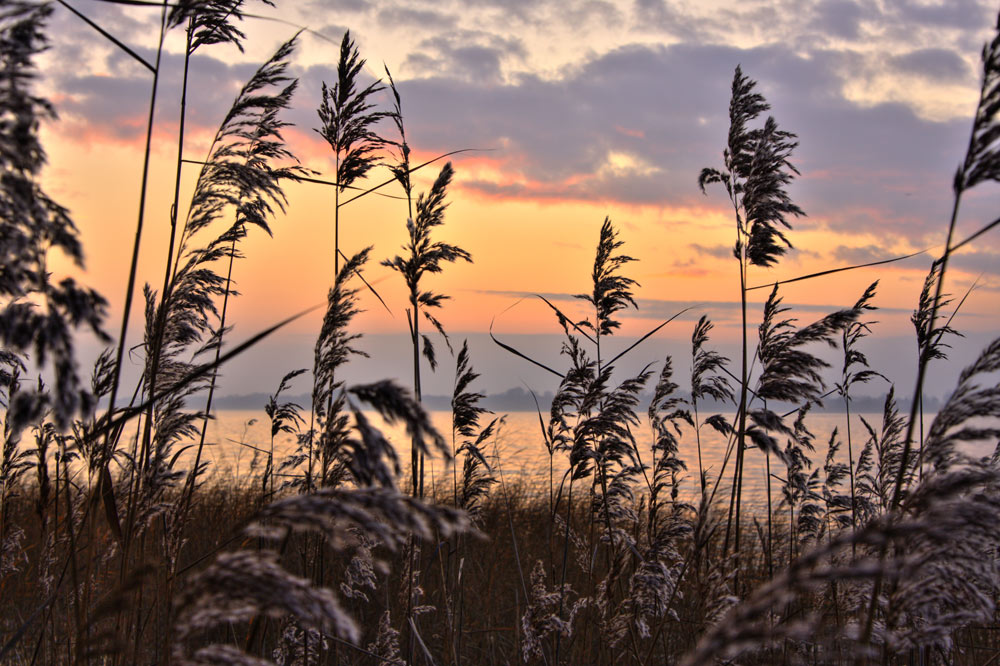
716 251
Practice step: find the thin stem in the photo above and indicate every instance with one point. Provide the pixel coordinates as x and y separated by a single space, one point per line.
697 436
106 452
770 534
161 315
180 162
736 498
133 268
415 457
850 464
565 557
336 221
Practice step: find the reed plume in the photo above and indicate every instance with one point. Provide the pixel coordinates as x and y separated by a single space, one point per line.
855 371
706 381
477 475
425 256
240 175
756 172
37 315
334 347
347 119
612 292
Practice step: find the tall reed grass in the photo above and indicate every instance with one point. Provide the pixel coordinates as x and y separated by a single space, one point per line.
115 550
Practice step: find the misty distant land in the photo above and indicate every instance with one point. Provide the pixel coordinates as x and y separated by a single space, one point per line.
518 399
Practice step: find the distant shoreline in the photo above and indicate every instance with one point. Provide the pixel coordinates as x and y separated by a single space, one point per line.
520 400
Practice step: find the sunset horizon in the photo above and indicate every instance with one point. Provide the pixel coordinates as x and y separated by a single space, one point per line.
551 150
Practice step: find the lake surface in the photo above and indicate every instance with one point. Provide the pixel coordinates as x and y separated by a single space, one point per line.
518 450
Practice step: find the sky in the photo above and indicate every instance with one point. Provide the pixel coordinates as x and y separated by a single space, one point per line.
577 111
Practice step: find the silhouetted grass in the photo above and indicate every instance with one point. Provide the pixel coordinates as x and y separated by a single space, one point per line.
112 550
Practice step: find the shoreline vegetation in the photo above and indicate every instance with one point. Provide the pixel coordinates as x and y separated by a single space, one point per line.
877 544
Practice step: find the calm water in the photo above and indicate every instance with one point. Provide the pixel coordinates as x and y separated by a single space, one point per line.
240 441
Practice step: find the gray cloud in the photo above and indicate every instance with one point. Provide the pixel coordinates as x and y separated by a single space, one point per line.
862 166
861 255
717 251
331 33
841 18
966 14
119 102
934 63
480 63
661 16
394 17
324 6
800 253
980 261
663 106
469 56
592 11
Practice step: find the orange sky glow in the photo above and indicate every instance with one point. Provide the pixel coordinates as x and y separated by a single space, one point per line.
532 229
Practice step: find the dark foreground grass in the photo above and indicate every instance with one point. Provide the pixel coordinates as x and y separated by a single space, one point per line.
485 597
492 569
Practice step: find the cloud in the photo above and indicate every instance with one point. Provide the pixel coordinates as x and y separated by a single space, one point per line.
663 17
717 251
861 255
965 14
323 6
469 56
801 253
862 166
596 11
662 309
395 17
330 33
115 102
523 10
935 63
840 18
981 261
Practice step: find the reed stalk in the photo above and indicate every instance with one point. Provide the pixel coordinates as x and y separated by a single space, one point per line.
755 174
